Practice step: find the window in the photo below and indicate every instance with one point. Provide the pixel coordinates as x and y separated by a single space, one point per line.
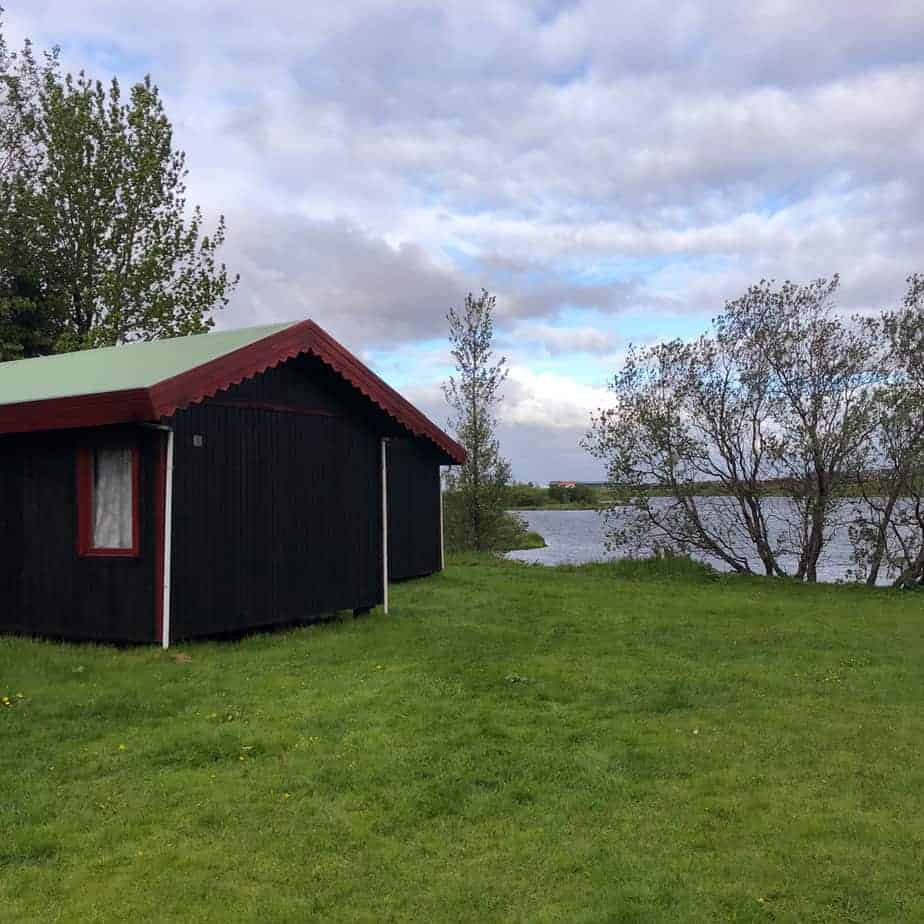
107 500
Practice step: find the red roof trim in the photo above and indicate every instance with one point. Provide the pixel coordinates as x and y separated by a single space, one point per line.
169 396
391 402
81 411
203 381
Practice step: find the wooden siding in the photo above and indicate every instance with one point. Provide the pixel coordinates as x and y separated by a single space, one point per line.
413 509
45 587
277 514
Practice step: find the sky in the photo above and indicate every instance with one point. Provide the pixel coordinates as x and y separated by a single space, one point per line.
613 172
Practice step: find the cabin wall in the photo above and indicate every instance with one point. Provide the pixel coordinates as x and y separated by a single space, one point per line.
46 588
413 509
277 513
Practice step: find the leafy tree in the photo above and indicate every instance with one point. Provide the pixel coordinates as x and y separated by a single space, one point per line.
476 492
19 81
676 421
778 392
559 494
97 244
524 495
27 323
820 369
888 531
579 494
111 215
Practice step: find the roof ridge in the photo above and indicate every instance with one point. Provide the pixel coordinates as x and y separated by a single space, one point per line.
160 341
160 393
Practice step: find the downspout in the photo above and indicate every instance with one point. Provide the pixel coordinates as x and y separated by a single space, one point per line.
168 533
385 522
442 539
168 536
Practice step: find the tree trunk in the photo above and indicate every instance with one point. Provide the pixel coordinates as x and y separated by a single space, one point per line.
880 546
913 575
808 564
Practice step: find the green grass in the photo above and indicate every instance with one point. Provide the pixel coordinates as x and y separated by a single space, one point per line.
524 539
641 742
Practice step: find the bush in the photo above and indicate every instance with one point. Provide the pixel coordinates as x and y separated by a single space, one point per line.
579 494
504 532
525 495
665 565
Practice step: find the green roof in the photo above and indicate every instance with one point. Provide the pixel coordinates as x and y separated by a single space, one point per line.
134 365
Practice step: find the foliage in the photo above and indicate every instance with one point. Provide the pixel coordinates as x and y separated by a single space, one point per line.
890 530
777 392
579 494
532 540
96 243
512 743
28 314
525 496
473 393
21 77
516 535
509 531
531 497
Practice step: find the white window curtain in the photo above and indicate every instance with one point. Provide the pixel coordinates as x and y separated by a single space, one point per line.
112 499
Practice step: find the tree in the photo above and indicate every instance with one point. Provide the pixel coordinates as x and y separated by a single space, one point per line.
475 515
27 321
111 215
578 494
776 396
681 418
820 370
111 253
888 530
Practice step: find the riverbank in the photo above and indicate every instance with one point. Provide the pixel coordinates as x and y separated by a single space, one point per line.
514 535
528 542
627 741
525 498
580 536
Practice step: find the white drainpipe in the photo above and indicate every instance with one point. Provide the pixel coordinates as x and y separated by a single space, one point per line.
168 530
168 536
442 540
385 520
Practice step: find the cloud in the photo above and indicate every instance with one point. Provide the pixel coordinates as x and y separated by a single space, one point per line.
559 341
541 421
541 455
592 163
548 400
358 286
378 294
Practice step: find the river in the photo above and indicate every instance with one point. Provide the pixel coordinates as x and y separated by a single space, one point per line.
577 536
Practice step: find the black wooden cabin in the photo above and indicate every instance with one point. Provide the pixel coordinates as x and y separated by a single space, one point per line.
209 485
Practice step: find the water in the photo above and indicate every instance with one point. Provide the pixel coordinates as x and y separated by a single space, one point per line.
577 536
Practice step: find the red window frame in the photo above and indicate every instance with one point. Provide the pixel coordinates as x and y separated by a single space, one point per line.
85 547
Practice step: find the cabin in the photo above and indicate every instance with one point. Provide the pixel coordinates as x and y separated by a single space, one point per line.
209 485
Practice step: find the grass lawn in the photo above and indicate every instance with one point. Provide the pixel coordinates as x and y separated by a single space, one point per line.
608 743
